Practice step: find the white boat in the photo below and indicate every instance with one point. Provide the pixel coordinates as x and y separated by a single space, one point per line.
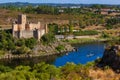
89 55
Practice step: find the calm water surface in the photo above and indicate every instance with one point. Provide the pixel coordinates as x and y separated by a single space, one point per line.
85 53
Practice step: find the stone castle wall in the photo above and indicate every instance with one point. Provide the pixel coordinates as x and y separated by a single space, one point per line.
26 34
22 29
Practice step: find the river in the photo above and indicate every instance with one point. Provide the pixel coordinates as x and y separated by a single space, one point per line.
85 53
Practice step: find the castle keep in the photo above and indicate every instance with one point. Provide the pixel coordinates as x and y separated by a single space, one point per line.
23 29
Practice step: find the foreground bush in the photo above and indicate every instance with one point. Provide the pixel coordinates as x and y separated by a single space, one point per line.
42 71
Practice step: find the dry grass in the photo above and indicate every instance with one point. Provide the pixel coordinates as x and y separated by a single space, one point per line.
99 74
94 27
7 16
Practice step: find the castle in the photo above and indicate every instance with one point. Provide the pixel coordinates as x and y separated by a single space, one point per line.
23 29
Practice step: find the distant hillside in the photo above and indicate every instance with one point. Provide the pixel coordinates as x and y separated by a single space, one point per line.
21 4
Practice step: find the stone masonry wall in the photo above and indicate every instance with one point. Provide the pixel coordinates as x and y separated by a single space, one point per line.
26 34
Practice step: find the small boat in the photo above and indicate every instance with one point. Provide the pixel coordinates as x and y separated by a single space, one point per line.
89 55
66 53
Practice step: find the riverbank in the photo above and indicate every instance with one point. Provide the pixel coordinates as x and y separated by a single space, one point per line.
57 47
40 50
90 40
85 40
81 55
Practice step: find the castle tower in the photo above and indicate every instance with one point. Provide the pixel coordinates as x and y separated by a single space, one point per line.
22 19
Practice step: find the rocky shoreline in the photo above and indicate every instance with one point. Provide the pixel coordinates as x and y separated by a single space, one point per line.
41 50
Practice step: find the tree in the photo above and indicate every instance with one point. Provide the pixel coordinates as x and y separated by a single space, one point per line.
30 43
71 29
53 28
20 42
5 69
21 50
48 38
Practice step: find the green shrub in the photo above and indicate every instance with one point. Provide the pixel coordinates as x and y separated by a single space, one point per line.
30 43
86 32
6 41
20 42
48 38
105 35
5 68
2 52
21 50
60 48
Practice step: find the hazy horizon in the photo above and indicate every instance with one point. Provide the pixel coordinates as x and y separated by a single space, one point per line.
67 1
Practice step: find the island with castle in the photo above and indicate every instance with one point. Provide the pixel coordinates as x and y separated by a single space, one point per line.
23 29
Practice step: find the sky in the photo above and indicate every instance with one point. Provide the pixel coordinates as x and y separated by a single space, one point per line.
67 1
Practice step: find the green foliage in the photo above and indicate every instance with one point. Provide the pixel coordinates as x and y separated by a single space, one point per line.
106 67
24 46
70 28
6 41
4 69
99 6
2 52
48 38
21 50
76 71
112 23
109 26
105 35
17 75
90 64
46 10
42 71
86 32
60 48
30 43
20 42
69 67
17 46
45 71
29 9
23 68
82 40
53 28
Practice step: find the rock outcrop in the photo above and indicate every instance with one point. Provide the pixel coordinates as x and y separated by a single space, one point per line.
51 48
111 57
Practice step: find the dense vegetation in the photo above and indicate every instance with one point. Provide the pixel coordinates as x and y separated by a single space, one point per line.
9 44
42 71
113 23
48 38
69 29
60 48
16 46
86 32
